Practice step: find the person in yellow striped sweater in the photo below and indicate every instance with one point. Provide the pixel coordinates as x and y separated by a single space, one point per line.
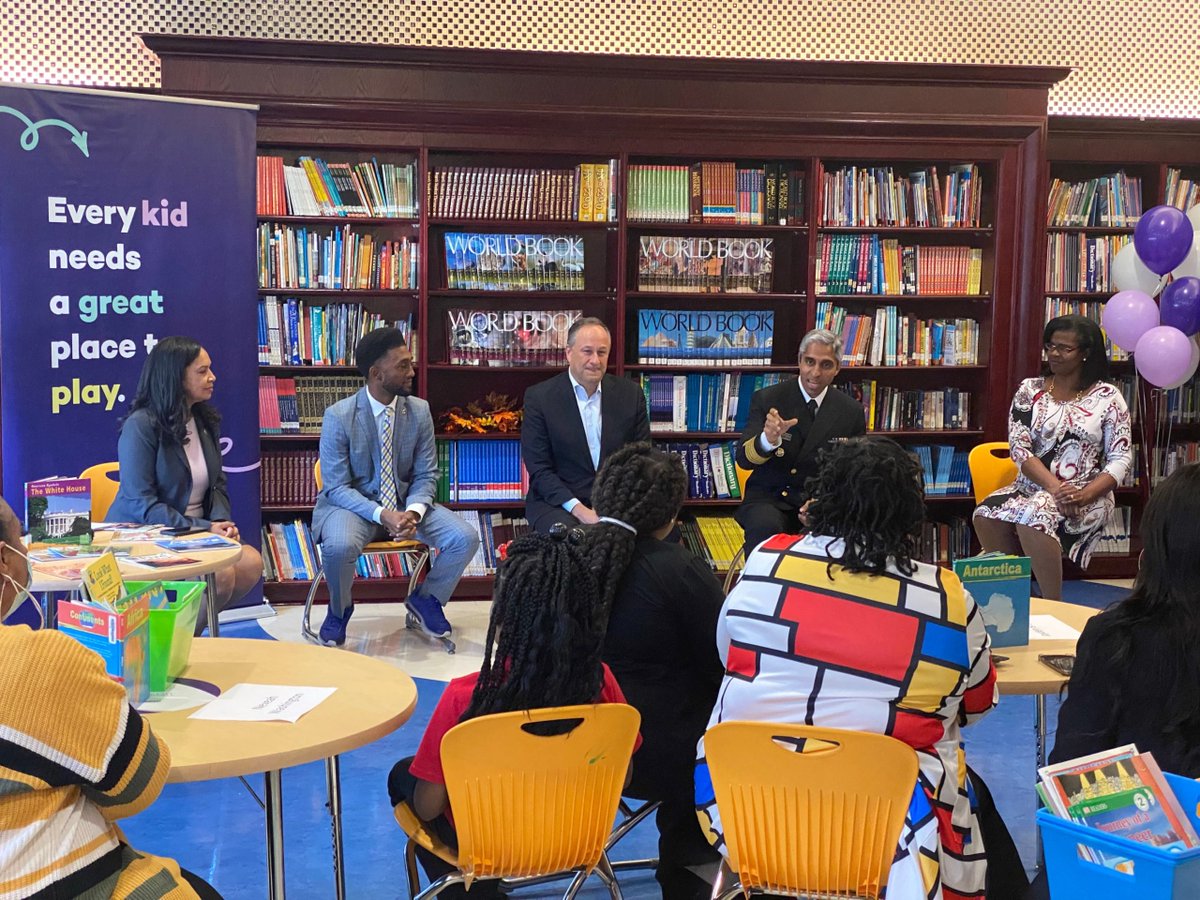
74 758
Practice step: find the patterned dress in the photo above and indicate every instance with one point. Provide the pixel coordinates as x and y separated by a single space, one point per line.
1077 441
905 656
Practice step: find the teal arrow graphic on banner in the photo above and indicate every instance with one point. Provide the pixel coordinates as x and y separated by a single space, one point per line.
29 137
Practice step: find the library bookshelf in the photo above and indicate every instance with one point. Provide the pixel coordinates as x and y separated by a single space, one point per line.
460 115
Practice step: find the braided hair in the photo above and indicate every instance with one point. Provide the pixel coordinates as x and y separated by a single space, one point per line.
544 636
870 492
641 486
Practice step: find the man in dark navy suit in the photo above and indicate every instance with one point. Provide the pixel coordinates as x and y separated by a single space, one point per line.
572 423
789 424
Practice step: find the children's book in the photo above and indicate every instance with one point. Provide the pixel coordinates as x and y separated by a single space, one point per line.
163 560
59 510
102 582
192 543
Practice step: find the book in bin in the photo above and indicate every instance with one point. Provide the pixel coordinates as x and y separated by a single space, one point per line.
59 510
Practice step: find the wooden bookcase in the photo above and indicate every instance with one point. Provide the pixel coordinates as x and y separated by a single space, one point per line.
498 108
1080 148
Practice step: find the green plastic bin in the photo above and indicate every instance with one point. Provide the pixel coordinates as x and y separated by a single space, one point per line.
171 629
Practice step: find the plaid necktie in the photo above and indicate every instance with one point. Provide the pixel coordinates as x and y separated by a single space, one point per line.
387 468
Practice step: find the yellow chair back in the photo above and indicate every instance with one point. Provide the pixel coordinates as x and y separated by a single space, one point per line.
823 821
991 468
526 804
104 489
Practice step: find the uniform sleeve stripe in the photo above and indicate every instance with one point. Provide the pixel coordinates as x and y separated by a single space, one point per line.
138 780
123 753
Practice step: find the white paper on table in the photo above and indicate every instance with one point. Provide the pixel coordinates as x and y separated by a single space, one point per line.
1045 627
263 703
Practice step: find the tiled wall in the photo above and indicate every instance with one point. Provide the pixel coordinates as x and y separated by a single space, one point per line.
1132 59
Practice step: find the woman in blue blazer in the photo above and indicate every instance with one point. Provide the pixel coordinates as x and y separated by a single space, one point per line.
170 457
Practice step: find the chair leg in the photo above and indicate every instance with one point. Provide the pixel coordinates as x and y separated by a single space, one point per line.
633 817
410 868
440 885
306 628
726 875
576 884
604 869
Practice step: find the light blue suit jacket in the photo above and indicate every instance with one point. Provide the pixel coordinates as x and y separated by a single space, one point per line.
350 457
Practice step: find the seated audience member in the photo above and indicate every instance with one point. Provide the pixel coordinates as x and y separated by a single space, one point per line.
1068 432
74 758
170 457
660 644
878 642
542 649
379 472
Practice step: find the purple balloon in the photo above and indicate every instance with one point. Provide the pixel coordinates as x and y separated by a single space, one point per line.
1163 355
1162 237
1180 305
1127 316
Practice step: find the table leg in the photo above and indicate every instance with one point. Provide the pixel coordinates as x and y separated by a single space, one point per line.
333 785
210 593
1040 760
273 796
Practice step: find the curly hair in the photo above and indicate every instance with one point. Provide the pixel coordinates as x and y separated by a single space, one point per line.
870 492
544 636
641 486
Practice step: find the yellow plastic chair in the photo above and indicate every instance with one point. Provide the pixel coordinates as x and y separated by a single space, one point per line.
104 489
529 805
824 822
991 468
417 553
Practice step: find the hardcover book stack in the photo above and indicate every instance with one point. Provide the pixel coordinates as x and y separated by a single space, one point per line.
710 468
888 338
1182 193
1111 201
705 265
584 193
294 332
480 470
314 187
514 262
694 338
887 408
339 258
717 192
297 405
1080 262
287 477
698 402
869 264
509 337
873 196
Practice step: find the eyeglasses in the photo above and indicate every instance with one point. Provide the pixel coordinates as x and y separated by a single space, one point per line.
1061 349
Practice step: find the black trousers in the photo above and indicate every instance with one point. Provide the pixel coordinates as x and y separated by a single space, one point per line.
1005 872
761 519
202 888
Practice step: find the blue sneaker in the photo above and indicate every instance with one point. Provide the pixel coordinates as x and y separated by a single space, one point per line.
333 629
427 613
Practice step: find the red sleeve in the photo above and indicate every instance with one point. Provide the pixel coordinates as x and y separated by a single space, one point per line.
610 692
427 764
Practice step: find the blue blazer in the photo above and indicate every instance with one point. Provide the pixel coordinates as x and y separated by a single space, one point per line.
156 480
350 457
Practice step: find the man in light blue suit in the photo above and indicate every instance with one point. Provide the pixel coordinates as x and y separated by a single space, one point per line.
379 474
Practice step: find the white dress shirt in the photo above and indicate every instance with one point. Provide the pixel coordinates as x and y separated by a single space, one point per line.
589 412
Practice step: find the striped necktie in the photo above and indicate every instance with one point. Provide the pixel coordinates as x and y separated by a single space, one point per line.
387 467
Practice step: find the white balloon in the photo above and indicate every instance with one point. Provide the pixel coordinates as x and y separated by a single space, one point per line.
1131 274
1193 215
1192 367
1191 262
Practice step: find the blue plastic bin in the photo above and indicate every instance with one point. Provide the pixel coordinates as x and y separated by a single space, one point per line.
1157 874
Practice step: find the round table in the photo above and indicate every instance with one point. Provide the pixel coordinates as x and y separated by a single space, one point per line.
208 563
373 699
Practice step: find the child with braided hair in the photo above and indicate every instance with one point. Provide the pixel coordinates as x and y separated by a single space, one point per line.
662 605
542 649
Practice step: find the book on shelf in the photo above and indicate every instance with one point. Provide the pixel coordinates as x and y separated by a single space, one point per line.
509 337
1080 262
871 264
701 402
713 539
886 337
314 187
296 405
1172 456
294 332
705 265
333 258
875 196
287 477
888 408
1183 403
705 337
1182 193
945 469
1120 792
582 193
1109 201
480 470
514 262
59 510
1116 535
942 542
1091 309
716 192
710 468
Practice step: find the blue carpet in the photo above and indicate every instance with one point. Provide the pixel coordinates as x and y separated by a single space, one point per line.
1097 596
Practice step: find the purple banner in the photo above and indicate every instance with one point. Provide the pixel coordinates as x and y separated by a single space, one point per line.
123 219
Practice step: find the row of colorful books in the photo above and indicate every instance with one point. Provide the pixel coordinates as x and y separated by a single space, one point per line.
1091 309
1079 262
292 331
945 469
672 337
514 262
943 541
1183 403
297 405
289 552
1183 193
487 469
585 193
717 192
508 337
314 187
1172 456
885 337
698 402
710 468
705 265
1110 201
288 478
337 258
893 409
712 539
873 196
869 264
